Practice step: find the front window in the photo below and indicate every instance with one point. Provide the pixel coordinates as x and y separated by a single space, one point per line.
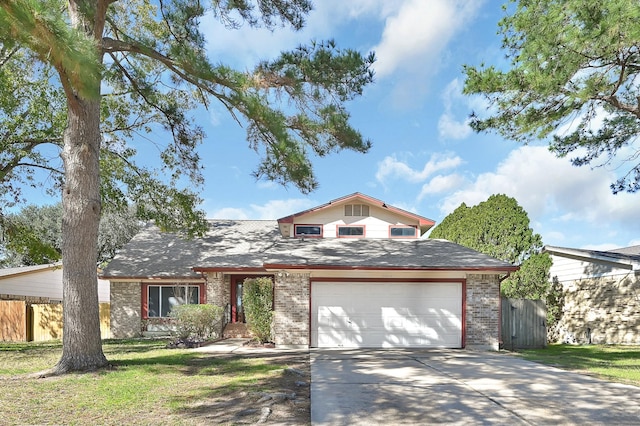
402 232
351 231
161 298
308 230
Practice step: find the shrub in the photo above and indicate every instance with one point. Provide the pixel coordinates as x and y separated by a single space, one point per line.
198 322
257 295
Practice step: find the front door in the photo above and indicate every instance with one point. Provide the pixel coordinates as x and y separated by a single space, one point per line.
237 307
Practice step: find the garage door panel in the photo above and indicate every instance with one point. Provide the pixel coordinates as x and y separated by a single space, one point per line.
386 314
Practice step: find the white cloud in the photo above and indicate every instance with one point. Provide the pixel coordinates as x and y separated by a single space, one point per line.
276 209
420 30
391 168
414 40
457 105
449 128
545 185
245 46
228 213
600 247
441 184
273 209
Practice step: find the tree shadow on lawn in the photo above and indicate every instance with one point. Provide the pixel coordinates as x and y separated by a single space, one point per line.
277 383
202 363
241 388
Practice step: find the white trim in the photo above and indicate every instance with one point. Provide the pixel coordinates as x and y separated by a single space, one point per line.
606 257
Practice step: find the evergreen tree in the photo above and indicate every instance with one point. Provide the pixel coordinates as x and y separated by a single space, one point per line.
572 64
109 69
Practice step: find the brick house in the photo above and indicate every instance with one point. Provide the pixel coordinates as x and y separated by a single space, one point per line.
601 295
353 272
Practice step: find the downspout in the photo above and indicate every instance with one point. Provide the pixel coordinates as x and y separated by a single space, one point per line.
500 342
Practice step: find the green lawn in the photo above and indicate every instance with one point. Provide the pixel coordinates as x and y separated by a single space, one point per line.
148 384
610 362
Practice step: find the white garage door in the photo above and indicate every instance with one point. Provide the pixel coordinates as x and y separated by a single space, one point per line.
386 315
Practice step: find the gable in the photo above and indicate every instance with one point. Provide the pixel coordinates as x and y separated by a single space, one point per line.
356 215
569 264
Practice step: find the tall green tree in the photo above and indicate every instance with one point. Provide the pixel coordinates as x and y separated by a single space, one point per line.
33 236
500 228
129 66
575 65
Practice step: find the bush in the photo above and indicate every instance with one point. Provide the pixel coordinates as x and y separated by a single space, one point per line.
198 322
257 295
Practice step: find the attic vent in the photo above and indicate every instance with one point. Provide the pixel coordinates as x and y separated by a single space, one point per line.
356 210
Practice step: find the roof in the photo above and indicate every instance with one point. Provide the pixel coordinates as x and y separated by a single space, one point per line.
633 250
257 245
429 254
624 256
228 243
424 222
10 272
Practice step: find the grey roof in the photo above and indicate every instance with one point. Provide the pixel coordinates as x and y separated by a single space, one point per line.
254 244
624 254
632 251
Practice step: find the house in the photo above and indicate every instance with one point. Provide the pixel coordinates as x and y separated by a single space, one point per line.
601 295
31 303
353 272
39 284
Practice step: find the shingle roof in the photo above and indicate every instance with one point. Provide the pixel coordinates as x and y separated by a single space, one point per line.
625 254
631 251
253 244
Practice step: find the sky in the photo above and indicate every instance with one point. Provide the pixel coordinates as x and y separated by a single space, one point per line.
424 158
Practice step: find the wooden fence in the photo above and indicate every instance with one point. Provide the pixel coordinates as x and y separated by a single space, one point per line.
13 321
21 321
524 324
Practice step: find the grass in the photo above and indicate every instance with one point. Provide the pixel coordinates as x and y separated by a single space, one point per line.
610 362
148 384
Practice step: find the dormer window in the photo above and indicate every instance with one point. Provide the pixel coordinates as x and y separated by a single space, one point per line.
356 210
308 231
402 231
352 231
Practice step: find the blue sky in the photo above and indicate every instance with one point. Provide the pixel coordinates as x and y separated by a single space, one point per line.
424 158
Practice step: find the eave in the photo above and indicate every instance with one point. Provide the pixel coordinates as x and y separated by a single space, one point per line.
280 266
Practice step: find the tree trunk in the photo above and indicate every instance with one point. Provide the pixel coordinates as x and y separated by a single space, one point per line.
81 206
81 344
81 341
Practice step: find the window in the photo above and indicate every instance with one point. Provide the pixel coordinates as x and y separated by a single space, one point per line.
402 232
308 230
356 210
350 231
161 298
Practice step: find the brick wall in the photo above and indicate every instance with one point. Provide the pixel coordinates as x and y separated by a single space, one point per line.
218 288
600 310
126 312
291 310
483 312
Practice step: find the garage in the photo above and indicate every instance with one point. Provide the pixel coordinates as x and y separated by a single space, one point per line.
386 314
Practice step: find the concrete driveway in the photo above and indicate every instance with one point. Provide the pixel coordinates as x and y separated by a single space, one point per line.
394 387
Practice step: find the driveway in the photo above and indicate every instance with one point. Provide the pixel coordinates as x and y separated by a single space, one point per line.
393 387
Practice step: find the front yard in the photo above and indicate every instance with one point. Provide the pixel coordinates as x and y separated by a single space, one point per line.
613 363
151 385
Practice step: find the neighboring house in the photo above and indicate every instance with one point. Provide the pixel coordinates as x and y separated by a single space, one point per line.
601 290
353 272
39 284
31 303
